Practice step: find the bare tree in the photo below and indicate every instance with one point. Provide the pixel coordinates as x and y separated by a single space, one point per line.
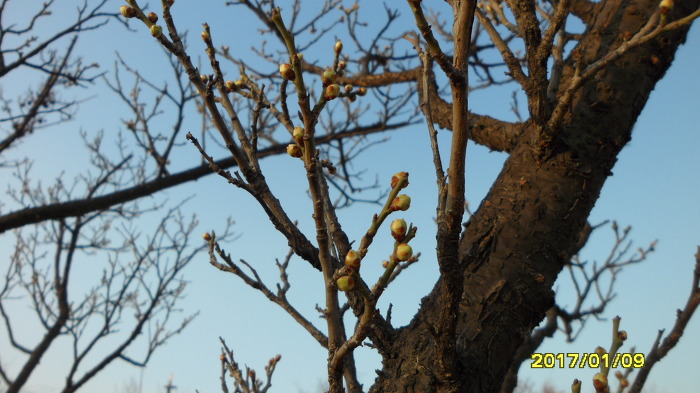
125 308
497 268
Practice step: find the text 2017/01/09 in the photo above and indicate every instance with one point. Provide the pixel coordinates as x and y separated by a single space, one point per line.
581 360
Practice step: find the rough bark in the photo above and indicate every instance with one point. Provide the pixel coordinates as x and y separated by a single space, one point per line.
515 245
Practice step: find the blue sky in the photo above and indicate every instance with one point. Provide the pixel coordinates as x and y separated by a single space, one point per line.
654 189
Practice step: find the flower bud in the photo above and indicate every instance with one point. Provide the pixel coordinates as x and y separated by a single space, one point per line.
346 283
600 351
351 98
666 6
206 36
206 236
278 358
239 84
401 202
294 150
127 11
204 78
298 135
230 86
156 31
622 335
403 252
398 229
338 46
624 383
600 381
341 65
332 92
222 357
385 264
153 17
348 88
352 259
287 72
361 91
398 177
328 77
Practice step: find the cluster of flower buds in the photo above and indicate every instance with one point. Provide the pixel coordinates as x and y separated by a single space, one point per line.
295 149
351 97
232 86
127 12
345 283
287 72
329 166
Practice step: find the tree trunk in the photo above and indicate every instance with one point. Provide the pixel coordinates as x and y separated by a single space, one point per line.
527 227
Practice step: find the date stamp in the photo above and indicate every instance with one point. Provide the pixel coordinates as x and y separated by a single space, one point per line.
590 360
